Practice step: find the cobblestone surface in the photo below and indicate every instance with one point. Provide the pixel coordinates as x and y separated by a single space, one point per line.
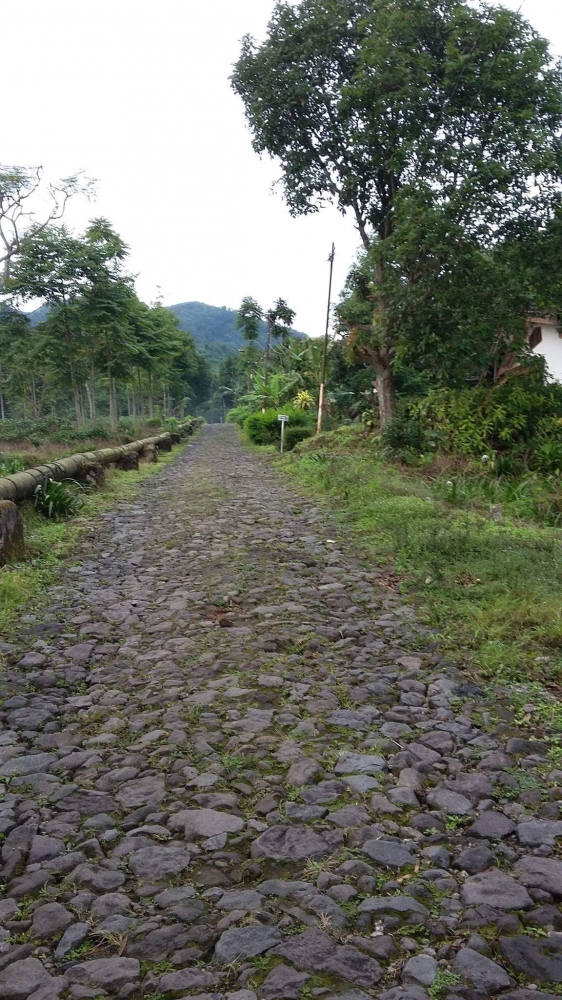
235 767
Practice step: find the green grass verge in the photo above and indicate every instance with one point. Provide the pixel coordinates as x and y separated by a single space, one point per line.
492 591
50 544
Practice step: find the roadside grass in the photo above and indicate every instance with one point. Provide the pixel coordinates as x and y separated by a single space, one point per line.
50 544
492 591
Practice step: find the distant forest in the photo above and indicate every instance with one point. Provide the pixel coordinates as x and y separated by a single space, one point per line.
212 328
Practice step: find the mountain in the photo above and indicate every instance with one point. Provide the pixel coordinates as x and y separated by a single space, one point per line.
38 315
213 328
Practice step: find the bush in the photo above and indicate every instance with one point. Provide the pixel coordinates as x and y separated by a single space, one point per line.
404 433
238 415
293 435
522 411
153 422
56 500
265 428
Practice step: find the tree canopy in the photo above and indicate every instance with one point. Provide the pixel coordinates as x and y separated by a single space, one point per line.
437 123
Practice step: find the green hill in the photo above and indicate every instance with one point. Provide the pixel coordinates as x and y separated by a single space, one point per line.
213 328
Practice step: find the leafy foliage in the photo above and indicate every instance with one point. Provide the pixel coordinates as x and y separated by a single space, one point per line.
429 121
265 428
57 500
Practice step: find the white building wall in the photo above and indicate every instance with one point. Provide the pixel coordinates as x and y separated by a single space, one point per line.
551 349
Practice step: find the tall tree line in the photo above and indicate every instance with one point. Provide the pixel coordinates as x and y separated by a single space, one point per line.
100 350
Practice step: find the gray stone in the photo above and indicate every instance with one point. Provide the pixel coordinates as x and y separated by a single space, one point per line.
20 979
481 971
240 899
405 905
540 873
139 792
185 979
475 859
386 852
420 969
155 863
284 983
315 951
296 843
538 958
303 772
450 802
360 783
493 825
495 889
205 823
349 817
360 763
530 995
44 849
98 879
109 973
539 831
72 937
240 943
51 920
32 763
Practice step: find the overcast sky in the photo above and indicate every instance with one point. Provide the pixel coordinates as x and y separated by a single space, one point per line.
136 93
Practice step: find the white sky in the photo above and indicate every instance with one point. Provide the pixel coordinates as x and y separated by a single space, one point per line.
136 93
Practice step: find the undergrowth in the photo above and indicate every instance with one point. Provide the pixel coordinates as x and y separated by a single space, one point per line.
491 590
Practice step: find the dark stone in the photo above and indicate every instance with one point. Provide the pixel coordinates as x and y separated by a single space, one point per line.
475 859
538 958
240 943
481 971
296 843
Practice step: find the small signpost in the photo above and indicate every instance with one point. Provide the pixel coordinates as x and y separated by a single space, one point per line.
283 418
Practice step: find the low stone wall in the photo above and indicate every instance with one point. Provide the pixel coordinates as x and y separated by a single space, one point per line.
85 467
22 485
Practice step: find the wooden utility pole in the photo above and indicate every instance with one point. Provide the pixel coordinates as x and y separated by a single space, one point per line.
325 352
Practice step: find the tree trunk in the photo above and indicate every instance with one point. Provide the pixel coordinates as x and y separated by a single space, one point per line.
2 411
266 364
113 414
140 395
91 391
150 396
77 395
34 398
385 392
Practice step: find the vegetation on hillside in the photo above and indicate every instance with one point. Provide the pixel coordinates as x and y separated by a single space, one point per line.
214 329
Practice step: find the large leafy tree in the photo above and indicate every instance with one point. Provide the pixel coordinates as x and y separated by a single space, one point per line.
399 111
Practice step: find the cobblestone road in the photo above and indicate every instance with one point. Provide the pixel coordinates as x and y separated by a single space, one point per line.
234 768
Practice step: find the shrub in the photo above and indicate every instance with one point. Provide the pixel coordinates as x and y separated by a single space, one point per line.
153 422
238 415
404 433
56 500
293 435
8 466
265 428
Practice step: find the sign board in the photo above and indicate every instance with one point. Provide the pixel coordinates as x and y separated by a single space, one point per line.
283 419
